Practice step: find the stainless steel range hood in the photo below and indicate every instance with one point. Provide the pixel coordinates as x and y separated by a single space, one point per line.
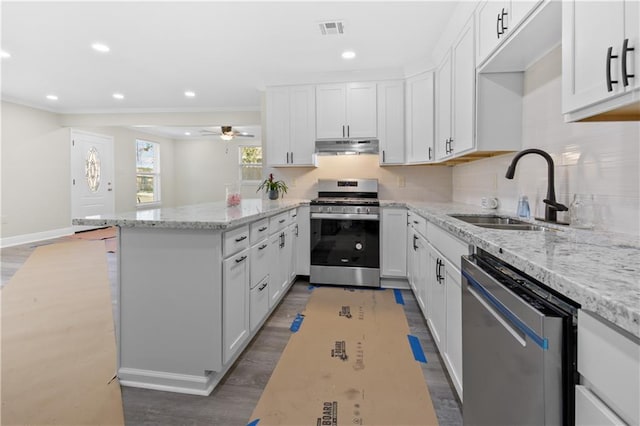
347 146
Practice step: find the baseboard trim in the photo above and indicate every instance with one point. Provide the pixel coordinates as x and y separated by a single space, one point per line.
399 283
168 382
36 236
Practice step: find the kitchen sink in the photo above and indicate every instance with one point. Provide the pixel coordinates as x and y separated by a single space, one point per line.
500 222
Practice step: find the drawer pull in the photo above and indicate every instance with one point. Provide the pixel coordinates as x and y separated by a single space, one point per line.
244 237
262 247
240 259
262 228
262 287
281 220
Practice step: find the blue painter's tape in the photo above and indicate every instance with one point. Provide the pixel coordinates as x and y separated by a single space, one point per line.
254 423
416 348
311 287
399 298
297 322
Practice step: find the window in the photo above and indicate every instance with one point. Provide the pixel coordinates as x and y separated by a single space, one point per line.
250 164
147 172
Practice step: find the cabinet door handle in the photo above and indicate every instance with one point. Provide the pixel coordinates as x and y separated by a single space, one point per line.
383 156
240 259
450 146
438 270
626 49
264 228
291 157
610 82
347 130
429 153
244 237
296 230
262 247
262 287
343 130
498 26
504 28
415 238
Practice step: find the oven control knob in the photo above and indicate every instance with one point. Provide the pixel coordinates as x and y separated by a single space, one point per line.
358 246
344 210
328 209
368 210
358 210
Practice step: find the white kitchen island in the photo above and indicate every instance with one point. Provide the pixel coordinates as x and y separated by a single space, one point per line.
185 288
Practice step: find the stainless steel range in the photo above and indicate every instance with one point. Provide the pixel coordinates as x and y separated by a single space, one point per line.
345 233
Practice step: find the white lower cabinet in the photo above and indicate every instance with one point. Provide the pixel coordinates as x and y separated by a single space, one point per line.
259 303
436 308
303 241
235 303
393 259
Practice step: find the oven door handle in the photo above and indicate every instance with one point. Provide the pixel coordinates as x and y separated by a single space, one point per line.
345 216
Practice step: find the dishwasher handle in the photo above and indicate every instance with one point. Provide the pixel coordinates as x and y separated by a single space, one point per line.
492 304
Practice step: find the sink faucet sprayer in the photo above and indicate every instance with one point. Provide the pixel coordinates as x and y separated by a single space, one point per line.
552 206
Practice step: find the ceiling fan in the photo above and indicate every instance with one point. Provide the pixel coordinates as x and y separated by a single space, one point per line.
226 133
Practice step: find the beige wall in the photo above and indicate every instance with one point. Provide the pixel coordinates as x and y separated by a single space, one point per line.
35 171
204 166
602 159
423 183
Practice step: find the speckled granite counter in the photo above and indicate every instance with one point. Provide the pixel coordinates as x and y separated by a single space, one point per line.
599 270
214 215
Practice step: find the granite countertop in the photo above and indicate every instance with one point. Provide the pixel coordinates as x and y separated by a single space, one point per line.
214 215
599 270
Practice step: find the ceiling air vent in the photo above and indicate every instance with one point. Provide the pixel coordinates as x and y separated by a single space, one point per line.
332 28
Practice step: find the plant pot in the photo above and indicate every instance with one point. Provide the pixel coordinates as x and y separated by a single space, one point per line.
273 194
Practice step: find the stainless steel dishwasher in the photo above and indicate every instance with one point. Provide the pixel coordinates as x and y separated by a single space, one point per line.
519 347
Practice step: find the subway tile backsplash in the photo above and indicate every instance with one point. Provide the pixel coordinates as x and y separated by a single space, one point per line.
596 158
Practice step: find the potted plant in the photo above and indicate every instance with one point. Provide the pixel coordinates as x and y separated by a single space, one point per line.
273 187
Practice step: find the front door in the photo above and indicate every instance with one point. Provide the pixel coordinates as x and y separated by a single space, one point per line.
92 188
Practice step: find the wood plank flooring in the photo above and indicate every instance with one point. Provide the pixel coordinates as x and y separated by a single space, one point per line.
233 401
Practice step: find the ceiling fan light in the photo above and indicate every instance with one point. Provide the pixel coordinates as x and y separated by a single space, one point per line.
226 137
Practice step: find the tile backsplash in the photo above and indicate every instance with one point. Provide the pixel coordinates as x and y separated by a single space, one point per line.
598 158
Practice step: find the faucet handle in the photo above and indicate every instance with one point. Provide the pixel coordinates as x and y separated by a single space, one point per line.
557 206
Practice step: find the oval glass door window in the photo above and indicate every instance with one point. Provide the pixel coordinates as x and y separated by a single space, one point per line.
92 169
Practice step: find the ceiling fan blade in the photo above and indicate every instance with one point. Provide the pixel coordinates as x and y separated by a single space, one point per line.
243 135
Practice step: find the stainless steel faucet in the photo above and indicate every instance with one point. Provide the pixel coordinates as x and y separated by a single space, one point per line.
552 206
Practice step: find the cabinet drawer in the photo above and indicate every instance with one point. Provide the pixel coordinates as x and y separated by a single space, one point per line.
235 240
418 223
590 411
278 222
259 303
293 214
259 262
451 247
259 230
610 362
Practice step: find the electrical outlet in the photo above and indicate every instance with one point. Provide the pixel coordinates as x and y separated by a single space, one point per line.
401 181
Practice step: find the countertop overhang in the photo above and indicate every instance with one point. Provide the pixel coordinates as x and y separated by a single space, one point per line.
599 270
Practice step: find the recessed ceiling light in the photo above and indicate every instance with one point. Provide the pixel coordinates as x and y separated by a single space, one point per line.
187 133
52 97
189 94
348 54
99 47
118 96
4 54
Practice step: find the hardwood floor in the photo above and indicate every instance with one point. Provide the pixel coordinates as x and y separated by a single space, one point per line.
234 399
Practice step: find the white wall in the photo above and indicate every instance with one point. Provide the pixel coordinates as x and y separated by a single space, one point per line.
602 159
35 160
420 183
204 166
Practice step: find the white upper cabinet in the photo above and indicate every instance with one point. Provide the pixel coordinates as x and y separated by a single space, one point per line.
455 95
443 108
391 122
597 63
463 90
290 126
419 118
496 20
346 111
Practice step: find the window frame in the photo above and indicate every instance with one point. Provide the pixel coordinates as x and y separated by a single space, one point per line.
241 165
156 174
